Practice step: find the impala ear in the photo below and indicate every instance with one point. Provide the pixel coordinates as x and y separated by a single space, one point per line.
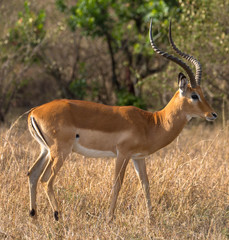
182 82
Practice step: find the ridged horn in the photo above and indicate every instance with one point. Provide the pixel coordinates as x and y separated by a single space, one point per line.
187 57
172 58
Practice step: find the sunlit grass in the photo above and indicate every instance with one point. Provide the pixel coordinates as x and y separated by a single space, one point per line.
189 183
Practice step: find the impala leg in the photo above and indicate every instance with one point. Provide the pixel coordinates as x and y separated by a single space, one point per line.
47 180
34 174
120 167
140 168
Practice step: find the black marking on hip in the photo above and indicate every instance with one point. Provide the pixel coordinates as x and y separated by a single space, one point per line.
77 135
56 216
32 213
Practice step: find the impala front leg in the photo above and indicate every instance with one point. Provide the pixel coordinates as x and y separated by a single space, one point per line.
140 168
120 167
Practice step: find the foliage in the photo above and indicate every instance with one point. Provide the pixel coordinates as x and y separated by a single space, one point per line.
92 16
123 25
19 49
28 29
78 88
124 98
95 18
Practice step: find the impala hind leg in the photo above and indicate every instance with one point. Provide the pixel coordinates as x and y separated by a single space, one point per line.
120 168
140 168
47 180
34 174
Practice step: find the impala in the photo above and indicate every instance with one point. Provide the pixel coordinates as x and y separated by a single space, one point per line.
96 130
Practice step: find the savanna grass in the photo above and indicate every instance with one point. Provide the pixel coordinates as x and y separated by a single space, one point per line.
189 183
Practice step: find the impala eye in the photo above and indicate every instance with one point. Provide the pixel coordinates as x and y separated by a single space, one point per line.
195 96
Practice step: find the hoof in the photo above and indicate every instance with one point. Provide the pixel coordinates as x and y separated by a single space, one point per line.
32 213
56 216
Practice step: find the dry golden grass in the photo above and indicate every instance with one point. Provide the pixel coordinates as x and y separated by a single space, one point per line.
189 183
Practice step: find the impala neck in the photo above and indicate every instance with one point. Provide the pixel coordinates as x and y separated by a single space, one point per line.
173 117
169 122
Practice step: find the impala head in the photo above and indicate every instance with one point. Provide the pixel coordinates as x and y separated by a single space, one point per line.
193 102
191 96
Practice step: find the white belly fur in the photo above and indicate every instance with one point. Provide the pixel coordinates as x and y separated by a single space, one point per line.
93 153
80 148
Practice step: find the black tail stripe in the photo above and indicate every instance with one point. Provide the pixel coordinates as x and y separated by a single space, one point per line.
42 138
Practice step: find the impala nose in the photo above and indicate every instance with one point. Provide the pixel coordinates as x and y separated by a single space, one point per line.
211 117
214 115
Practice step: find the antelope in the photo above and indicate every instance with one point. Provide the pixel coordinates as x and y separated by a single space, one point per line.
122 132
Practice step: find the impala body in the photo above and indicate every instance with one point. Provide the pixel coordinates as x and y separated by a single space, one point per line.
96 130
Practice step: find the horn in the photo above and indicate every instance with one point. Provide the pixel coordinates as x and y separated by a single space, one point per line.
172 58
187 57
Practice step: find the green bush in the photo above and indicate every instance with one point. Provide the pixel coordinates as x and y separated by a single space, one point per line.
127 99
